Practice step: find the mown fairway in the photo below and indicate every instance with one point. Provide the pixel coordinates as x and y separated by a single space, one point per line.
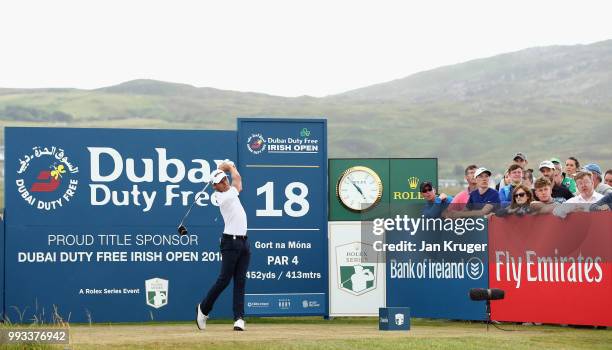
352 333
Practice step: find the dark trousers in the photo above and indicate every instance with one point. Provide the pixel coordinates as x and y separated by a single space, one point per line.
235 255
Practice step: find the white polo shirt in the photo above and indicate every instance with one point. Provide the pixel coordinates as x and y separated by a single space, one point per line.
232 211
576 203
580 199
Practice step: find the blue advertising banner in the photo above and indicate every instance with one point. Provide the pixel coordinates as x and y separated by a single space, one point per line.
433 267
283 163
2 266
91 223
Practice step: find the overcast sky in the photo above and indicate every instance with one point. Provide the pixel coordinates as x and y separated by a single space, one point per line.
286 48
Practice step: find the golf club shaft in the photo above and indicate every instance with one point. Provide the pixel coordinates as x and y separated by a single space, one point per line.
194 201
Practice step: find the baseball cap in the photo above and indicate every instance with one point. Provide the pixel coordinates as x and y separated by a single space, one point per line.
519 155
546 164
594 168
217 176
424 185
555 160
480 171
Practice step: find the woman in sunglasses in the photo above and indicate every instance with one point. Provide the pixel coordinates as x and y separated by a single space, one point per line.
521 198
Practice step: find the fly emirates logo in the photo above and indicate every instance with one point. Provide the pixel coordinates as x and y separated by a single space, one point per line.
559 269
109 171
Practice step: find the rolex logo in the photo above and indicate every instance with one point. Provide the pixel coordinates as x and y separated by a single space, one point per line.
413 182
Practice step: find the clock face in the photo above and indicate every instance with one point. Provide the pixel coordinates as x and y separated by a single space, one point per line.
359 188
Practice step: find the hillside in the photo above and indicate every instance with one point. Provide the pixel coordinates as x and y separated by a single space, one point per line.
547 101
569 74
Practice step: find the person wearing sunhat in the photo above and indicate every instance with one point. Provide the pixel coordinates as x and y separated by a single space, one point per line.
559 193
600 187
482 201
520 159
566 180
434 205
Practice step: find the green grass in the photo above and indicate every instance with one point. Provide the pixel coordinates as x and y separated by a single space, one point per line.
339 333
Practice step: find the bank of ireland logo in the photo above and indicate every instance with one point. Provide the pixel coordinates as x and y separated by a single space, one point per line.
356 267
256 143
47 178
156 292
474 268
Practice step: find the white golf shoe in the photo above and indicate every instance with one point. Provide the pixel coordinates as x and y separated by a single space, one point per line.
239 325
200 318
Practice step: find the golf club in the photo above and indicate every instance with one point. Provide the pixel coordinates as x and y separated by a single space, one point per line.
182 230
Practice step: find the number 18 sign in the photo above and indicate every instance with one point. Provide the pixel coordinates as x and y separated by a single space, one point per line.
283 163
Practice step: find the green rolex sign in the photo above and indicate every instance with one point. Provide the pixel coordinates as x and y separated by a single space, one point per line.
364 189
405 181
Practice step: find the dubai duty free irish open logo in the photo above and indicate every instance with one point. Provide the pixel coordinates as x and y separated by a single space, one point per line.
46 178
256 143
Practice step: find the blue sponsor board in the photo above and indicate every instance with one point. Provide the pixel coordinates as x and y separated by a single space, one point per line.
436 269
91 217
296 304
285 162
2 267
135 282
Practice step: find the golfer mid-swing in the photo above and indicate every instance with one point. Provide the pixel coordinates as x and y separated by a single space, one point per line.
235 250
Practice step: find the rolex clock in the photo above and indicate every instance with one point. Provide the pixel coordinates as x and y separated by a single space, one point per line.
359 188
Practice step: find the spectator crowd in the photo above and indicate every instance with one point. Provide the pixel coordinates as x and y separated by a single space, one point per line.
559 189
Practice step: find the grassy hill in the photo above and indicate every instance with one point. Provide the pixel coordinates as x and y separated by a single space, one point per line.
577 74
548 101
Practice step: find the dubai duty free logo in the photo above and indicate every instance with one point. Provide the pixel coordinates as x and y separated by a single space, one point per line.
256 143
46 178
